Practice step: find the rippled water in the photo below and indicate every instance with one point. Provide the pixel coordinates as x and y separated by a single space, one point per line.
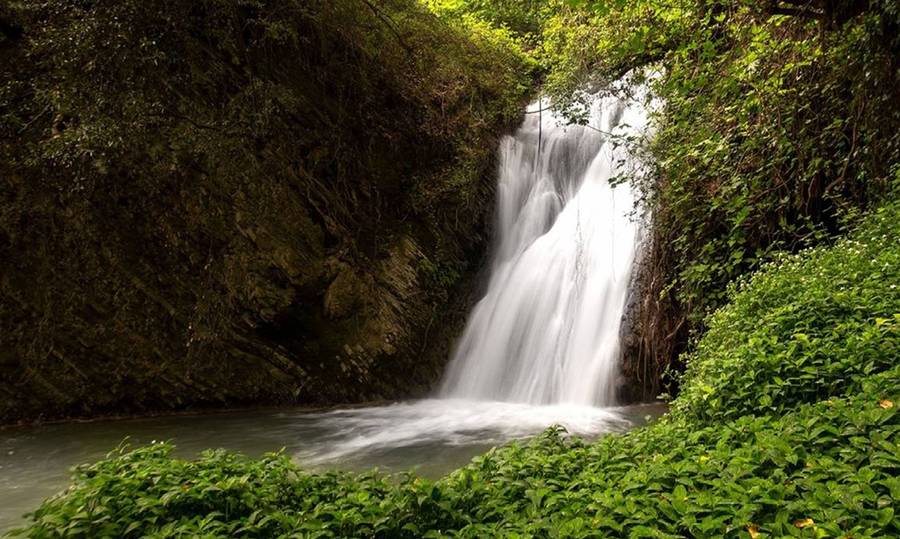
430 436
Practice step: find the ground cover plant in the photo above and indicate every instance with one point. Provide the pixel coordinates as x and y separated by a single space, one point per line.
787 426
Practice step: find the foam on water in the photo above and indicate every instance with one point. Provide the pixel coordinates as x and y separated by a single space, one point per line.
449 422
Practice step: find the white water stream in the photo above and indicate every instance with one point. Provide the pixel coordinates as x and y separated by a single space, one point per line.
547 331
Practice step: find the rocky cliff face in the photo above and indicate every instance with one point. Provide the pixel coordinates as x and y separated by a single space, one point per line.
230 203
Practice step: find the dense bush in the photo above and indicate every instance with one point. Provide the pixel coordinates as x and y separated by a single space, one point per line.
803 329
524 19
787 426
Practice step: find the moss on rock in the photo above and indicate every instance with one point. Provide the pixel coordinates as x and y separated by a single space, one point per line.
210 203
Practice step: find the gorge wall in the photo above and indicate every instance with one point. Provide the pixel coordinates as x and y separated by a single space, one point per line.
228 203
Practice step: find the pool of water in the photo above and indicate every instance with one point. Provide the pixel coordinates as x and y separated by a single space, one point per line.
432 437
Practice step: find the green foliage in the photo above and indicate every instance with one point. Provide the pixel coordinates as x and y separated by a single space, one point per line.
804 329
523 19
755 448
146 492
770 132
776 125
440 277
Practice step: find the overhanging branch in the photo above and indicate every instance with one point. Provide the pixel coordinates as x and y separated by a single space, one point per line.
801 8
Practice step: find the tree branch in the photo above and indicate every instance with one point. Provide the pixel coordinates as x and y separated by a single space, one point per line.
796 8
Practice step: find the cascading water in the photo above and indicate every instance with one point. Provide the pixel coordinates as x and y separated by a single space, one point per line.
541 347
547 330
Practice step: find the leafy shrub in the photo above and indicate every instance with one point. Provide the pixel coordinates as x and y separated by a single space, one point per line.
803 329
522 18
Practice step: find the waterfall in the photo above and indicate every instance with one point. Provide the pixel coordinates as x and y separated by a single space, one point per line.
547 329
542 346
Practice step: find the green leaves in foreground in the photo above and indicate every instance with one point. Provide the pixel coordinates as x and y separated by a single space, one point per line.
786 427
834 464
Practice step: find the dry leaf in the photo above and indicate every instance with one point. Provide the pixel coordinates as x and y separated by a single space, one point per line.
886 404
804 523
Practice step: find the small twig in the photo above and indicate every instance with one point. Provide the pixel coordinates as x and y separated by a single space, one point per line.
843 175
796 9
427 329
541 111
390 24
41 113
540 125
607 133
